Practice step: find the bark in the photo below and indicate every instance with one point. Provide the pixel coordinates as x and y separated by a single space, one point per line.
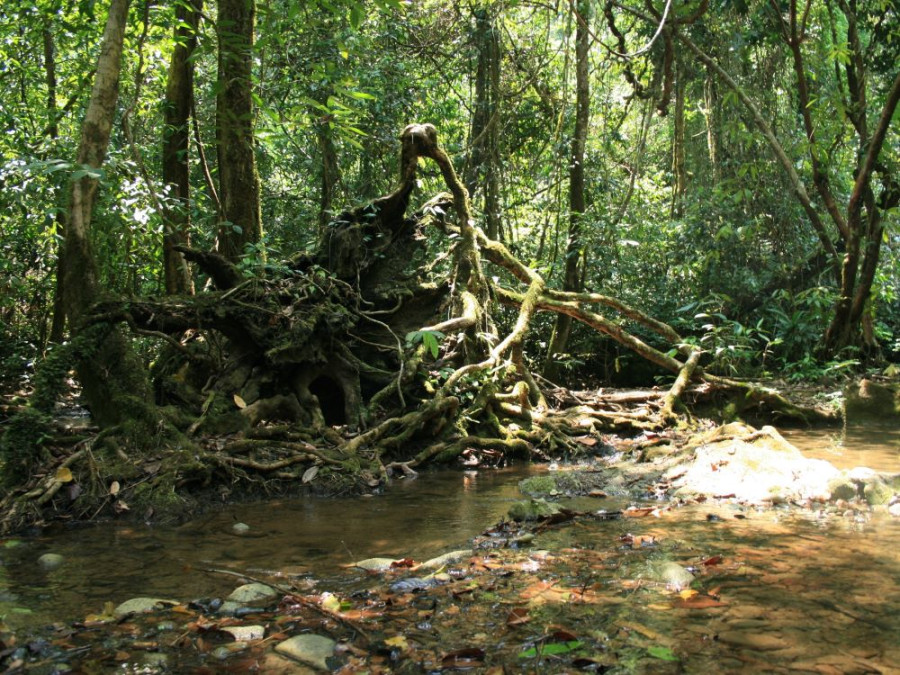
58 325
238 177
176 146
572 280
484 137
863 244
110 373
678 167
330 171
713 125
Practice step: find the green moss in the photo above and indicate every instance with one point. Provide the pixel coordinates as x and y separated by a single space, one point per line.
22 445
532 509
538 486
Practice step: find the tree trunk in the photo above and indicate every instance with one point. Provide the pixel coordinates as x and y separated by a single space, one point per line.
111 376
238 178
330 170
484 162
572 278
58 325
678 168
176 146
713 124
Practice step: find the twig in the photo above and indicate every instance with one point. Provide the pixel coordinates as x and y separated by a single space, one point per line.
294 597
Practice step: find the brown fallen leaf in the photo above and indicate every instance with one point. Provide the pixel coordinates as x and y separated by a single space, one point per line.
638 511
473 657
517 616
697 602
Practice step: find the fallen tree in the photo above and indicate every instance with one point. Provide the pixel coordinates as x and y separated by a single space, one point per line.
370 355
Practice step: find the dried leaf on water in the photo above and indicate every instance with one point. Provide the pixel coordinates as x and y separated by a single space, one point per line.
697 602
472 657
517 616
398 641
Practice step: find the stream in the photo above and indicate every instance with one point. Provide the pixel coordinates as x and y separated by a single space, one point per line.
795 590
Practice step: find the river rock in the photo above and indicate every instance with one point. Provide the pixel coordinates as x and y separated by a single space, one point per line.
50 561
246 633
240 528
374 564
752 466
762 642
877 492
311 649
842 487
252 593
871 401
533 509
142 606
446 559
894 509
672 575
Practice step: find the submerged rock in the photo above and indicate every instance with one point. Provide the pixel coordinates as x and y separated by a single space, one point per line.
533 509
51 561
252 593
311 649
246 633
142 605
446 559
877 492
672 575
374 564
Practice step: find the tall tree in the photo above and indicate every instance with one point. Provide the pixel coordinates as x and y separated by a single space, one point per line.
58 325
111 376
482 171
572 280
176 145
238 177
830 112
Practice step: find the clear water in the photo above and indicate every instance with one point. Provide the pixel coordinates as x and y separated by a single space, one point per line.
800 591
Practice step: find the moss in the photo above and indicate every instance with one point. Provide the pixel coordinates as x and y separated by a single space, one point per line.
538 486
22 445
532 509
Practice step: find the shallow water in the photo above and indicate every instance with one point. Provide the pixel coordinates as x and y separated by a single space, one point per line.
876 446
811 590
297 537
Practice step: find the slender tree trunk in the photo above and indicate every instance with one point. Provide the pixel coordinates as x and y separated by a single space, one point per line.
176 146
58 324
238 178
711 96
484 162
111 376
572 278
330 171
678 168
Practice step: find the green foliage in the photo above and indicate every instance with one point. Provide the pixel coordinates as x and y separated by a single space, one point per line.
430 339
